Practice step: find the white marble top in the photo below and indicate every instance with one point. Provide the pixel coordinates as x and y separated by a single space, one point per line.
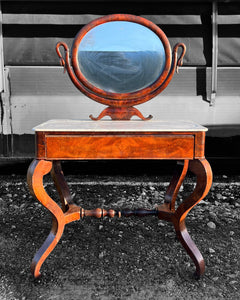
119 126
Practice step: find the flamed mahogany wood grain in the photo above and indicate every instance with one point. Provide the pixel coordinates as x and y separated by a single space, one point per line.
54 145
115 147
199 144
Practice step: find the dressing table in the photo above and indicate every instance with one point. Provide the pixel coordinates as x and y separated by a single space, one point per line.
113 64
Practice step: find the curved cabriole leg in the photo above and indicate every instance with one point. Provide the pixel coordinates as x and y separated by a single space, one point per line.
175 184
36 171
203 172
61 185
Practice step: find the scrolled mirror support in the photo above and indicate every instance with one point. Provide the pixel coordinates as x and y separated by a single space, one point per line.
62 61
120 113
176 63
175 51
66 64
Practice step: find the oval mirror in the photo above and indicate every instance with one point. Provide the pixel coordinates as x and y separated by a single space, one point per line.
121 60
121 57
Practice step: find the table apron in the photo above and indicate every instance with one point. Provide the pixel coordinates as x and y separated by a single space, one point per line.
181 146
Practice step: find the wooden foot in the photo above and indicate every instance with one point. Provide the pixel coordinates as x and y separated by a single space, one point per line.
190 247
36 171
203 172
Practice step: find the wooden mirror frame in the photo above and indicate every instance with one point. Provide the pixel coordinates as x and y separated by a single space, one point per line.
120 104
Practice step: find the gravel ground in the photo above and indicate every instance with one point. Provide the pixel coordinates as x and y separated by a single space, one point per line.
131 258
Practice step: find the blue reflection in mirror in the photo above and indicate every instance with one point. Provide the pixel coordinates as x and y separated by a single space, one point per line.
121 56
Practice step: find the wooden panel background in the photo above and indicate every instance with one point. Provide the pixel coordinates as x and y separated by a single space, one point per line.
31 30
37 90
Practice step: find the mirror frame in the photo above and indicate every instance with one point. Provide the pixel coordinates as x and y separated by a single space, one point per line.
125 99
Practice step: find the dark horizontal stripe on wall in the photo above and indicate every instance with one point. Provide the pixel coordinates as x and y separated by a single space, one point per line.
229 30
105 7
31 31
185 30
68 31
223 147
229 8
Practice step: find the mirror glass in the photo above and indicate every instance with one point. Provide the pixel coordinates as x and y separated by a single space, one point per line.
121 56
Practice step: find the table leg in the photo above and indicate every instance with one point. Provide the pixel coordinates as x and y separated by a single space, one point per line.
175 184
70 212
203 172
61 185
36 171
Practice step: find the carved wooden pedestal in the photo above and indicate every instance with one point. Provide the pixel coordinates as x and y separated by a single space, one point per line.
58 140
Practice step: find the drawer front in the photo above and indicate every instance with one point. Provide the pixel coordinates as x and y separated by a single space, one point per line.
119 147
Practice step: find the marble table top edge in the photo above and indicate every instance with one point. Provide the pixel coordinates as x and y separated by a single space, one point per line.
119 126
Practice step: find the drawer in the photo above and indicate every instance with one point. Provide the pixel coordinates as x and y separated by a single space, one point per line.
170 146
